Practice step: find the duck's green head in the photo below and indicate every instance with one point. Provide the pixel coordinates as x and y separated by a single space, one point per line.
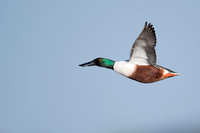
101 62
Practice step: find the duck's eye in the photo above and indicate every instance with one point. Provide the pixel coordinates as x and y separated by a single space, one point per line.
99 59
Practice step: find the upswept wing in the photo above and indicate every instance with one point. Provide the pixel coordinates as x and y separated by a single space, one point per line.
143 50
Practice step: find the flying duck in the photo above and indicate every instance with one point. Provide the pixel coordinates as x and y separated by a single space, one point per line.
141 65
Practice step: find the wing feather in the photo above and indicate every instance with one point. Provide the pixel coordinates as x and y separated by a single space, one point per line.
143 49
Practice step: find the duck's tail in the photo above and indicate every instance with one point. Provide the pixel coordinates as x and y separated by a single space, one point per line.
170 73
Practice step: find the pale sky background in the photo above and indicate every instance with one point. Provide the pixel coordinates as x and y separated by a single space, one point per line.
43 90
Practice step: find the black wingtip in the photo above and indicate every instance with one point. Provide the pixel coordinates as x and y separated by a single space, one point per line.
145 24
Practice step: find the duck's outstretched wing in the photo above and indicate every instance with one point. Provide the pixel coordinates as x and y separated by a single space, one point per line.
143 50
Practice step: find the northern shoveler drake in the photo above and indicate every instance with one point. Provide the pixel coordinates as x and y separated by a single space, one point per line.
141 65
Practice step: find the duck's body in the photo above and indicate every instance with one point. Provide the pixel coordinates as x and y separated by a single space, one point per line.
141 65
142 73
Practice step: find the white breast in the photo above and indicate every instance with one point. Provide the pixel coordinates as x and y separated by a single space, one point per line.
125 68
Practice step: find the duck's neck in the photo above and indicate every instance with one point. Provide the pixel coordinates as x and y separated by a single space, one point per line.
107 63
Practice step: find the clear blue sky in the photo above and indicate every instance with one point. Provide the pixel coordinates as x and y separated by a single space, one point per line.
43 90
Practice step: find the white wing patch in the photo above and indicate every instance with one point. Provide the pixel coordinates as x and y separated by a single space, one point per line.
139 56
